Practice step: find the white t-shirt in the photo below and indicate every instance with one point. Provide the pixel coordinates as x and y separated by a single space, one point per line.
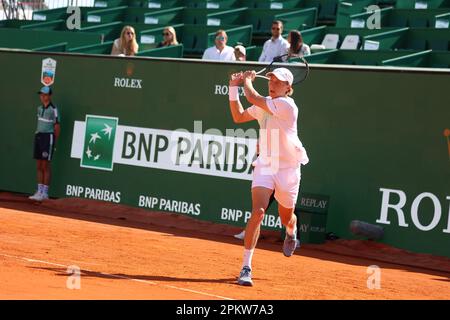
212 53
116 49
274 48
278 139
305 50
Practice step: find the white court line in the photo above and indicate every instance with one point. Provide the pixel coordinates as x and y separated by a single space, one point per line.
117 276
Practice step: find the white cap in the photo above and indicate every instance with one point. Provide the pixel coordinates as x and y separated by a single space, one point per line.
241 49
282 74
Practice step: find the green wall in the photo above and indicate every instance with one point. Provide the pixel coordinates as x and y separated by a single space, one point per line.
365 129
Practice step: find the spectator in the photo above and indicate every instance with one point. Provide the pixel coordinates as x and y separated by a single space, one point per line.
220 51
275 46
47 132
240 53
126 44
169 36
297 47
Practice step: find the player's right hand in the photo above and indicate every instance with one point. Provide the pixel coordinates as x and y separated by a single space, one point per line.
236 79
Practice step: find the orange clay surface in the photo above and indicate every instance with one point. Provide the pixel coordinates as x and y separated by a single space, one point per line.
129 253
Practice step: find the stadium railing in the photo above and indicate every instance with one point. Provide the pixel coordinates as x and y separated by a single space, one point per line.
56 47
410 60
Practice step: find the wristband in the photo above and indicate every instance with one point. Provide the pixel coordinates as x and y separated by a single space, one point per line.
233 93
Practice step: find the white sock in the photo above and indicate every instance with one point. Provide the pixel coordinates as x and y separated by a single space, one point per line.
248 255
45 189
292 231
40 188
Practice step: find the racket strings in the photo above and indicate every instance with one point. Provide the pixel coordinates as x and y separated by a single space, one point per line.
299 68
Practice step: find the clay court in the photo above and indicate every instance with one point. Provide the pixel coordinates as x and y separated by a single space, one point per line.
129 253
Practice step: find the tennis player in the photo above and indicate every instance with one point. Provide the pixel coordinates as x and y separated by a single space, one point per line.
277 168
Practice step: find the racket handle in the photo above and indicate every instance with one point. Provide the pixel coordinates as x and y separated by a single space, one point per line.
263 77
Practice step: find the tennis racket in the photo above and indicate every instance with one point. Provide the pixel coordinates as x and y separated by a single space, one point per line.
300 70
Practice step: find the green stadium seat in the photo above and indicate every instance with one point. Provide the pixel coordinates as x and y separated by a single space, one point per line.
50 15
391 17
187 16
417 39
149 4
253 53
439 60
347 19
236 34
405 28
442 21
110 3
419 18
262 19
175 51
105 15
108 31
430 4
324 57
212 4
15 23
228 17
327 10
55 47
388 40
101 48
152 17
347 8
316 35
273 4
356 57
32 39
417 59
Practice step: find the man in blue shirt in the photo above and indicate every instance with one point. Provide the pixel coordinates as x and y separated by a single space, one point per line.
47 132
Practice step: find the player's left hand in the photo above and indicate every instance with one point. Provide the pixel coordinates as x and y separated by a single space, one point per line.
250 74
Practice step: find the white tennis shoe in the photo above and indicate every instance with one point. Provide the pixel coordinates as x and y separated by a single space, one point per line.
37 196
240 236
245 277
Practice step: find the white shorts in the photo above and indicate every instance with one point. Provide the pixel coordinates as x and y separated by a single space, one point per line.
285 182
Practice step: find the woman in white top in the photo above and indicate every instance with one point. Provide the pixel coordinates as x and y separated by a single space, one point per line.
126 44
281 153
297 47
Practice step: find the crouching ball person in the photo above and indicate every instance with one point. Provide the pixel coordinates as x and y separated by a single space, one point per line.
47 132
277 168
